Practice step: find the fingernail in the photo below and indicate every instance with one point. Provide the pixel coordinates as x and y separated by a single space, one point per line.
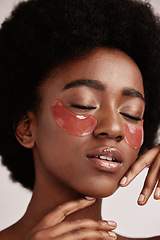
111 223
157 192
112 234
141 198
89 198
123 181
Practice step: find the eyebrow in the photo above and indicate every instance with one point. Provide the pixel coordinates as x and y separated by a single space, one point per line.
95 84
133 93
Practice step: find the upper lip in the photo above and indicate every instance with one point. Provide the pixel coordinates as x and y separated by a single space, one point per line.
107 151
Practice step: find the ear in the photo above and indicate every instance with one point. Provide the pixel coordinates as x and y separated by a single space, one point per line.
24 131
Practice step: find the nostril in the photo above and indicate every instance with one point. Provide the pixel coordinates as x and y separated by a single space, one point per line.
103 134
119 138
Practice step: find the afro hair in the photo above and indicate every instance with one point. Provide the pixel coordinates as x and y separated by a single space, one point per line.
42 34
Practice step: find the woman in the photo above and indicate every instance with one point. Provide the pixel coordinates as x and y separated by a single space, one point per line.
78 77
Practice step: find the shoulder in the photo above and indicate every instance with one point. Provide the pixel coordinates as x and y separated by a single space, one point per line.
11 233
5 234
126 238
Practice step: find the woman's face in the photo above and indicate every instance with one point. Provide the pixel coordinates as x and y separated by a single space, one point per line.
114 96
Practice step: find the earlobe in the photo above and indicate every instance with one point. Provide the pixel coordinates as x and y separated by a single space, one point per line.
24 132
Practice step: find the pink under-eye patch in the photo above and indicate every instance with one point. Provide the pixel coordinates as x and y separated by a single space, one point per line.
133 135
75 124
84 124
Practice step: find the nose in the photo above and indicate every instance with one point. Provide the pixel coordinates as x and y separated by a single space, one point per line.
110 125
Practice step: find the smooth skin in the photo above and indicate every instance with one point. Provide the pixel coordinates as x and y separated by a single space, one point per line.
76 229
64 176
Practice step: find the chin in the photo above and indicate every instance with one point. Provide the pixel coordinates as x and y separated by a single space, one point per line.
106 194
101 192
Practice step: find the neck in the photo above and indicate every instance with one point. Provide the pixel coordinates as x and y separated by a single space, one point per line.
48 195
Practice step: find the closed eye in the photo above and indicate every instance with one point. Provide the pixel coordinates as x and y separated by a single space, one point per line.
131 117
82 106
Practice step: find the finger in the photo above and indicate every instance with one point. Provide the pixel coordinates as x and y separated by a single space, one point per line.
67 226
142 162
90 234
157 191
150 182
62 211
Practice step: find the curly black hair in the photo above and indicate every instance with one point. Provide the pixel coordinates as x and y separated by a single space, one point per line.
41 34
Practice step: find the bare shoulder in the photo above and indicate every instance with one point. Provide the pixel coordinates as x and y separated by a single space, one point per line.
125 238
11 232
6 234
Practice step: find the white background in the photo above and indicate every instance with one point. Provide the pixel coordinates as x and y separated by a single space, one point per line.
133 221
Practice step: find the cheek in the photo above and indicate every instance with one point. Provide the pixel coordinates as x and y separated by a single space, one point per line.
133 135
78 125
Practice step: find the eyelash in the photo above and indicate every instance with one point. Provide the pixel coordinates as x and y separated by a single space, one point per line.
131 117
90 108
82 106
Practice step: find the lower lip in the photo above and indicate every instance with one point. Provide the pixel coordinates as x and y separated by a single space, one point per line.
104 165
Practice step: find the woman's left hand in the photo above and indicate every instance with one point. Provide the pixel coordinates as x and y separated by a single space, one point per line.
150 159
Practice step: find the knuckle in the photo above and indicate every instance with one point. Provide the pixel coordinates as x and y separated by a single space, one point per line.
132 170
90 221
74 222
78 221
102 223
147 186
79 202
147 163
37 236
102 234
76 231
45 221
61 210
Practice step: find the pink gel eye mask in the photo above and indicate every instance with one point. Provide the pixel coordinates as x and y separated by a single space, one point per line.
133 135
84 124
78 125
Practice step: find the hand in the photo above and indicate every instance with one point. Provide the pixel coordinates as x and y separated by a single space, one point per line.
150 159
53 227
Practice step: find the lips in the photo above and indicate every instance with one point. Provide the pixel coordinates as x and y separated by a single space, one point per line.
106 158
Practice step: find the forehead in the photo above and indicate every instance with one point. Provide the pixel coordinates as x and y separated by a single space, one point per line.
112 67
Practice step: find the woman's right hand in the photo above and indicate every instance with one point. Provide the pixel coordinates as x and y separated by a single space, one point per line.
53 227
